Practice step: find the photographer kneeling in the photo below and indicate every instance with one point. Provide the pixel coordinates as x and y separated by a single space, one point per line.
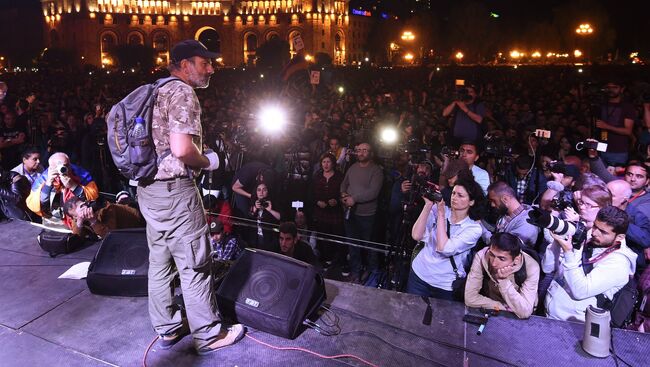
100 218
448 233
503 277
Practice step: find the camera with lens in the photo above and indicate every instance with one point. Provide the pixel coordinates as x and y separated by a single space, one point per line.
496 146
415 148
95 205
450 152
264 203
462 94
563 200
62 170
421 187
544 219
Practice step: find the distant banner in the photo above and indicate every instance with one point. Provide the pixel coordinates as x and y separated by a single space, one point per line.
298 44
314 77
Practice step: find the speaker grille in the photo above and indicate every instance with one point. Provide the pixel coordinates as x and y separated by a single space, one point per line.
266 286
270 292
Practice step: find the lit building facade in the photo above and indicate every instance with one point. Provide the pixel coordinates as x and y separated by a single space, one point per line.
92 28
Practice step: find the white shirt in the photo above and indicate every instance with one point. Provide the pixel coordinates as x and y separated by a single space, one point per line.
571 291
482 177
434 267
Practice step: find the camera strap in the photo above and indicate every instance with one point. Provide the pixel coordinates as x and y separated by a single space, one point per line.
451 258
588 264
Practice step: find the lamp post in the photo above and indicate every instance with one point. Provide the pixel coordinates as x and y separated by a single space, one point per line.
408 37
585 30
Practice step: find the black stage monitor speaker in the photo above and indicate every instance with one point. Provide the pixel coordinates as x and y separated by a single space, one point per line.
271 292
121 264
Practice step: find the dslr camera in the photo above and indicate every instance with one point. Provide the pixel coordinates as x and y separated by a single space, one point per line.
462 92
450 152
62 170
421 187
264 203
563 200
543 219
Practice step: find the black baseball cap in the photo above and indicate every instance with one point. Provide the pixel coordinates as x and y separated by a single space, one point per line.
216 226
190 48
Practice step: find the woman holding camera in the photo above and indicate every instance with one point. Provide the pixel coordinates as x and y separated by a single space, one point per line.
262 211
446 232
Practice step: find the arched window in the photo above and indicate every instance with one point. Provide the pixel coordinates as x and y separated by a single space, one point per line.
292 35
161 48
135 39
250 46
107 43
339 48
210 39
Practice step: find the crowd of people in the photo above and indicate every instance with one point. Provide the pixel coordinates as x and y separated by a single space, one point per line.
498 184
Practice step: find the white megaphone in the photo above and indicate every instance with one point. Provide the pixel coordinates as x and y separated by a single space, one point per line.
597 337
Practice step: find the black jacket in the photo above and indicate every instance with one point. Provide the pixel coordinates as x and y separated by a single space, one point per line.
14 189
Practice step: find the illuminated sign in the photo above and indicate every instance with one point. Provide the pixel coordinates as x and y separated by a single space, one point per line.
363 13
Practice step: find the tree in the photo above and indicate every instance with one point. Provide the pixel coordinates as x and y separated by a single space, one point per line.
134 56
273 53
56 58
322 59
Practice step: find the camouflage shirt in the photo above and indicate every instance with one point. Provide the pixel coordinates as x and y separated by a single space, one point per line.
177 110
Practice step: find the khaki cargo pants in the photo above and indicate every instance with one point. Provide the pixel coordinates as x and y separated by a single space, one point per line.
177 233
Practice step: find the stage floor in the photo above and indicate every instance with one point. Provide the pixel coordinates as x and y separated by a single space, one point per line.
45 321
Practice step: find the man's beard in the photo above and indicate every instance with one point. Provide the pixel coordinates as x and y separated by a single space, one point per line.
501 210
197 81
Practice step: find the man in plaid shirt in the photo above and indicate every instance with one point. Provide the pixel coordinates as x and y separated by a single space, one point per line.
224 246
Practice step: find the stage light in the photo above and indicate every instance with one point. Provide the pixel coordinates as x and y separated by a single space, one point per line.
272 119
389 135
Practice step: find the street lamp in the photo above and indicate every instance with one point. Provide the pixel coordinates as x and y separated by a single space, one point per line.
584 29
408 36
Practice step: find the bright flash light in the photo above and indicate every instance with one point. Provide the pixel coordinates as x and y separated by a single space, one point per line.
580 70
341 90
389 135
366 59
459 55
577 53
262 76
272 119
